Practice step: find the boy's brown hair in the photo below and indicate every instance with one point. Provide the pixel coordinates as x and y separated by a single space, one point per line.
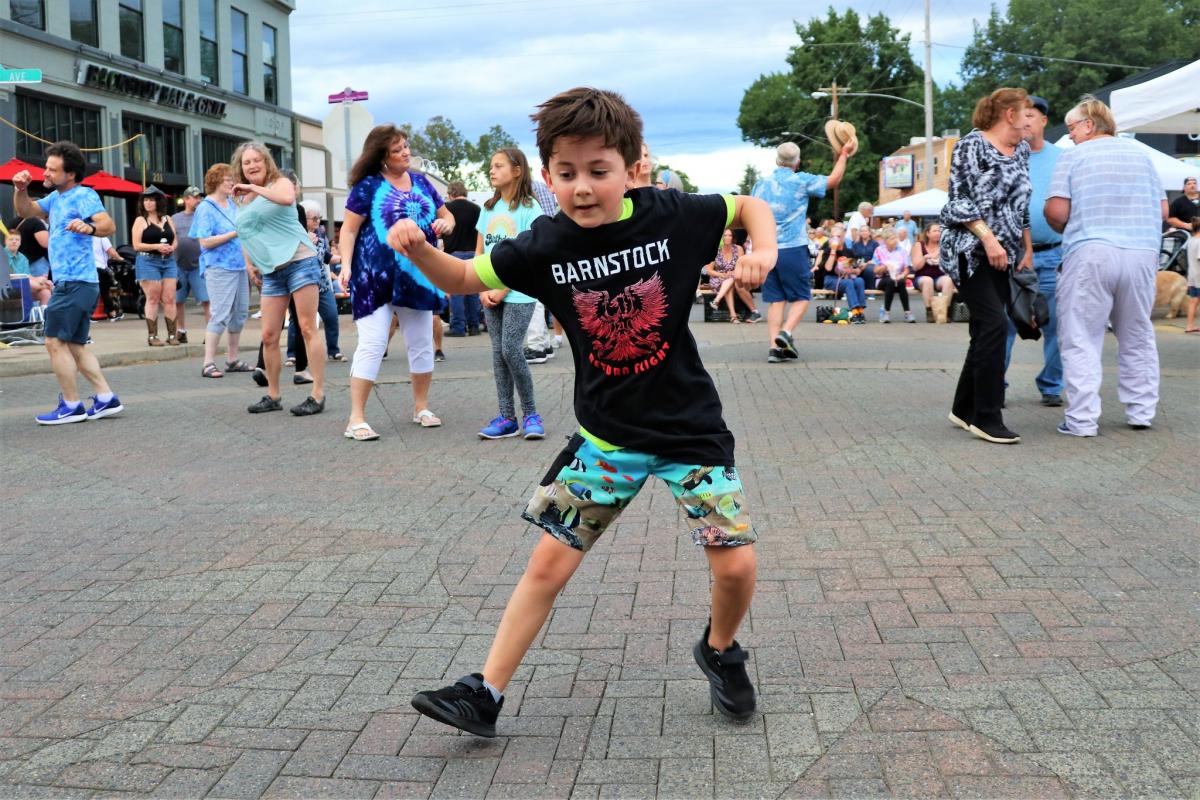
584 112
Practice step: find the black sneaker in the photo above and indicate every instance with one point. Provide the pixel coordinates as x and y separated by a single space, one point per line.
259 376
267 403
455 334
775 356
996 434
784 341
730 686
534 356
472 331
309 407
1052 400
467 705
438 355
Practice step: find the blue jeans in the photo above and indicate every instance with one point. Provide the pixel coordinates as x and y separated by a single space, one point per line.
854 289
464 308
327 309
1050 379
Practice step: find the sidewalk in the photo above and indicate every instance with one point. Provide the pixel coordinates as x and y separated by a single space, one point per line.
121 343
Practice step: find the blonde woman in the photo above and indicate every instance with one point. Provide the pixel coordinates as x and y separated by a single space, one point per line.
282 262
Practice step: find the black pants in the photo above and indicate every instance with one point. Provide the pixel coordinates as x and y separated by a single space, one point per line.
980 393
301 350
890 289
107 282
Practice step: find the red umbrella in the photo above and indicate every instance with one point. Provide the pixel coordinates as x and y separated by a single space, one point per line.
15 165
105 183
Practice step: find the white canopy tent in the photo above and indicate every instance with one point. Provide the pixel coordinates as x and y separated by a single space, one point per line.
922 204
1167 104
1171 171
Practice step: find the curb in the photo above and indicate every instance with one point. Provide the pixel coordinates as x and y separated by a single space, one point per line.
41 365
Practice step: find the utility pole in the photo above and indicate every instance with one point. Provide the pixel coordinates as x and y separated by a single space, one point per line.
928 104
833 90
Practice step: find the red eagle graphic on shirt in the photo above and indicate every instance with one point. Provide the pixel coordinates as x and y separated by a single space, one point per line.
623 326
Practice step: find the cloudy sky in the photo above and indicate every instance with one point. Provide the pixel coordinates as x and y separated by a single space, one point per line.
684 64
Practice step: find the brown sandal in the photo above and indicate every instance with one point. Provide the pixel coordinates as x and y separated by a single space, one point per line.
210 371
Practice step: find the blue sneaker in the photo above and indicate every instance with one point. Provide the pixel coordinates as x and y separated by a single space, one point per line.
1064 428
499 428
100 409
533 427
63 414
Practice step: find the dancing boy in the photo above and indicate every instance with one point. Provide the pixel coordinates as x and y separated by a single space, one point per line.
619 269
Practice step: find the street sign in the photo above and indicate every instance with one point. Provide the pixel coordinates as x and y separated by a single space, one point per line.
20 75
348 95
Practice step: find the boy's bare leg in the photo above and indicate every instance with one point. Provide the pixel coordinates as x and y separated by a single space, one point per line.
88 367
734 572
550 567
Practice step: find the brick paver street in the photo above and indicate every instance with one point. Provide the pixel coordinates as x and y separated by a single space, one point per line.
197 602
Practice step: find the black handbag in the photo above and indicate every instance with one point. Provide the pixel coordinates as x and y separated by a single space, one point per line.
824 313
1027 307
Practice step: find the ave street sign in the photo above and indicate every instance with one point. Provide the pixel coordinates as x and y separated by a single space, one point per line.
348 95
20 75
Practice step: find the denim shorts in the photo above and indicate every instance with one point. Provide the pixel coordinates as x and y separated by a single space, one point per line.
292 277
1193 291
149 267
791 280
39 268
68 315
191 283
587 488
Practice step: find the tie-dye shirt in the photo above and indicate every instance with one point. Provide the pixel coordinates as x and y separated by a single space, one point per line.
379 274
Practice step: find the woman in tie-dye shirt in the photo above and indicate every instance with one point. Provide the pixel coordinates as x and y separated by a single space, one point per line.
382 282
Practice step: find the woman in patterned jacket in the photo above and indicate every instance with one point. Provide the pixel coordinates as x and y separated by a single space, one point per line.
985 227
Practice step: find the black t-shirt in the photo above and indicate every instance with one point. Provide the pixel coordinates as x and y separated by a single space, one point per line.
623 293
466 217
30 247
1182 208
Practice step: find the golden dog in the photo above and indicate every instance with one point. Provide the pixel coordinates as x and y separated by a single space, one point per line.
1169 290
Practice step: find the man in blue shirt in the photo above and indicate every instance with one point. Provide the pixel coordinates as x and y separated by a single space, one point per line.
75 216
1047 250
786 191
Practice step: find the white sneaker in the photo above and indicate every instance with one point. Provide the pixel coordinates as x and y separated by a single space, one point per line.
558 340
256 315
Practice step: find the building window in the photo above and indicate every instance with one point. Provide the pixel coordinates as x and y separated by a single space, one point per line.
208 41
241 67
83 22
162 151
28 12
277 154
173 36
132 31
270 63
217 148
55 121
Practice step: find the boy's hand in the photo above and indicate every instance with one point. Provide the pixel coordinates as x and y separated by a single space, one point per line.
405 237
752 269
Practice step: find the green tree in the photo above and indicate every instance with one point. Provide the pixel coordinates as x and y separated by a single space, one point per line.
447 153
441 146
749 178
1131 32
864 55
480 156
688 186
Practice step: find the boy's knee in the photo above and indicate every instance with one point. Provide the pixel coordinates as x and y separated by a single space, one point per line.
735 564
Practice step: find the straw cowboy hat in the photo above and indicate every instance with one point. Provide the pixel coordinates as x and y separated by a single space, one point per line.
840 134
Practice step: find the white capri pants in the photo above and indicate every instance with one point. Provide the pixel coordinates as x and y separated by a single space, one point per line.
415 326
1100 283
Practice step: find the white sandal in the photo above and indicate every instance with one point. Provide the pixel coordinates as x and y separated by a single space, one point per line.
361 432
427 419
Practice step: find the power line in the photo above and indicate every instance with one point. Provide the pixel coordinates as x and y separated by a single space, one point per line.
1040 58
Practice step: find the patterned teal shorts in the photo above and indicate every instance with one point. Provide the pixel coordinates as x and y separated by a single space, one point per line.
587 488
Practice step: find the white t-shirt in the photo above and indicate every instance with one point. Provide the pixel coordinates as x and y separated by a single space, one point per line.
857 220
100 247
1193 260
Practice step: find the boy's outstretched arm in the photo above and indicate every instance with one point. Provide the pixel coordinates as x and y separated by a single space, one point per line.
448 273
755 216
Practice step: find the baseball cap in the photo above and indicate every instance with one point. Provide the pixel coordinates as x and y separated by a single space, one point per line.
1040 103
192 191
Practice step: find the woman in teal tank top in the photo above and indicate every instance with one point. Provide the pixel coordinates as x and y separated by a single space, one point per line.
282 262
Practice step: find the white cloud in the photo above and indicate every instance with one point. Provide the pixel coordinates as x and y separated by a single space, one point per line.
719 170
